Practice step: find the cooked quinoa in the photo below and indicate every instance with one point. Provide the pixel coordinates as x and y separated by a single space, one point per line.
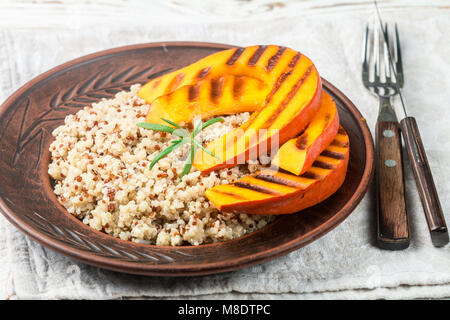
99 163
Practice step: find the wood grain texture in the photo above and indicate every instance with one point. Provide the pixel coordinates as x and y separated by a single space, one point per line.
392 219
27 199
425 183
75 14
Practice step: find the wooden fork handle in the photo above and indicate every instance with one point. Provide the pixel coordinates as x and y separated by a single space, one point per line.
392 220
424 181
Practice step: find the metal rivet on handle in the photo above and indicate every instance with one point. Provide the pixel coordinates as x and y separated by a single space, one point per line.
388 133
390 163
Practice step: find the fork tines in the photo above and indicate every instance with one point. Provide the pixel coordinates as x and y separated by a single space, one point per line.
376 69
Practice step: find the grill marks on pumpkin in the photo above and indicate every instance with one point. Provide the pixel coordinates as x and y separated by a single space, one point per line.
278 179
255 187
216 89
288 98
236 54
302 142
203 73
284 75
156 83
338 143
231 194
311 175
174 83
194 91
326 122
333 154
278 84
341 139
324 164
255 57
272 177
272 62
281 79
238 86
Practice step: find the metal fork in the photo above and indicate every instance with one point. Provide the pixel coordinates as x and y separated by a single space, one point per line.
392 219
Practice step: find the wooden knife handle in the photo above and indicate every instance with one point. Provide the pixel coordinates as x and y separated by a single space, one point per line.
392 220
424 181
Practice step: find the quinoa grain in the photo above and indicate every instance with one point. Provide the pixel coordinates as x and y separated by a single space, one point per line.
107 156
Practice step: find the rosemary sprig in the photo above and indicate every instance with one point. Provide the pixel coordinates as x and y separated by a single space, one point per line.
185 137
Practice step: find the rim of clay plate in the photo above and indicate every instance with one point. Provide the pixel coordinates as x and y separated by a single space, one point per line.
207 268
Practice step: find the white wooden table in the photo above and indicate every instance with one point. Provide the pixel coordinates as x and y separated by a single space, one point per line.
76 13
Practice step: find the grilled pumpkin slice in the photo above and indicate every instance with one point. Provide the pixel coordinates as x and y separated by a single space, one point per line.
207 98
298 154
294 97
265 63
270 191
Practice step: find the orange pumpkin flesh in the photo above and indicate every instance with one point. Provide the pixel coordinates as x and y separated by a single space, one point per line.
290 101
298 154
288 108
207 98
265 63
273 192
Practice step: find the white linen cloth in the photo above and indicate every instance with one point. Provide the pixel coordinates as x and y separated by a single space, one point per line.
343 264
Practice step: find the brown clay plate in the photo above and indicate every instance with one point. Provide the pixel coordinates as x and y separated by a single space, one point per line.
28 117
